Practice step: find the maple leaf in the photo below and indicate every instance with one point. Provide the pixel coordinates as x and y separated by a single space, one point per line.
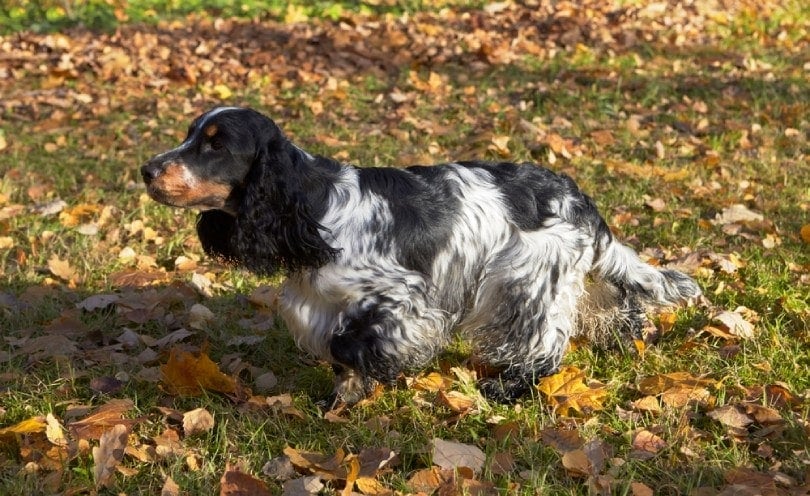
567 390
188 374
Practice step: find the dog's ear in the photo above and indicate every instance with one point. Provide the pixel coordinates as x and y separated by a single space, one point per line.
276 225
215 229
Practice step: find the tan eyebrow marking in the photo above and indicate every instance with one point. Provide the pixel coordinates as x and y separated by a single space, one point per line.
211 130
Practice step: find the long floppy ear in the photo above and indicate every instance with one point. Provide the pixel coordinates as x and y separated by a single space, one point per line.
215 229
276 224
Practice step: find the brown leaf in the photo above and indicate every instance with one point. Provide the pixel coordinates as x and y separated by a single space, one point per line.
328 467
562 440
640 489
646 445
170 488
577 463
805 233
197 421
61 268
451 455
236 483
109 453
731 416
103 419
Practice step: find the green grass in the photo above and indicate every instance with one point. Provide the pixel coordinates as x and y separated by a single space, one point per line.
592 89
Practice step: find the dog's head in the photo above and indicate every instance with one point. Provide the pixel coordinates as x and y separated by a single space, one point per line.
259 194
209 168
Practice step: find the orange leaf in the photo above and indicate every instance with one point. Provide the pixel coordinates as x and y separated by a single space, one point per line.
805 232
236 483
568 391
187 374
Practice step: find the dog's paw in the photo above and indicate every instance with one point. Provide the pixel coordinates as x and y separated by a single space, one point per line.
350 388
503 390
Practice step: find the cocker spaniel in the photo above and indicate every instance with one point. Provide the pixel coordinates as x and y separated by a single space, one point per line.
383 265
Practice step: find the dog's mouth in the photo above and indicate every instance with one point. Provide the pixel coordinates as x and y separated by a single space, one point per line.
174 185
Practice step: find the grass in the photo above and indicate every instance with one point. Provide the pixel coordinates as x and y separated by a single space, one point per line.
752 149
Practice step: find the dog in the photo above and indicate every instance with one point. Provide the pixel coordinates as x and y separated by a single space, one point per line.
383 265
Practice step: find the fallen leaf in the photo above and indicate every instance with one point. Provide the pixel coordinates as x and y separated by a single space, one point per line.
279 468
236 483
327 467
640 489
61 268
731 416
303 486
646 445
736 214
451 455
189 374
170 488
109 453
568 391
455 401
103 419
432 382
27 426
577 463
735 324
805 233
562 440
197 421
199 316
54 431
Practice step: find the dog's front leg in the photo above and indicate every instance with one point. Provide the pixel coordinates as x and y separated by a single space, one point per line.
377 339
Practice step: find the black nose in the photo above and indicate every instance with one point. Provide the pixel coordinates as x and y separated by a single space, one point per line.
151 171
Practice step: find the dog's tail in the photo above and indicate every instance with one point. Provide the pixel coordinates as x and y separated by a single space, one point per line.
620 266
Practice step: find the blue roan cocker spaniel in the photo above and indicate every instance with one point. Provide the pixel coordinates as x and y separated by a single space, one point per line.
383 265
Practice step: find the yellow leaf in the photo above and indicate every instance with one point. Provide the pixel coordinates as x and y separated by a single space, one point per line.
456 401
221 91
568 391
327 466
432 382
28 426
351 476
187 374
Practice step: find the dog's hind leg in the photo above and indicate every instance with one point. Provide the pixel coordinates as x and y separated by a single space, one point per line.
525 310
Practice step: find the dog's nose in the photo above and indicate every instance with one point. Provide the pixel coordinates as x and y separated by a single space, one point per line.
151 171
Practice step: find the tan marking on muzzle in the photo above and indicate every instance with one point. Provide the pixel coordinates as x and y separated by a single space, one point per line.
177 186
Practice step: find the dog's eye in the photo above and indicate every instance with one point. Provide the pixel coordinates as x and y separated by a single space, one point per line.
216 143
